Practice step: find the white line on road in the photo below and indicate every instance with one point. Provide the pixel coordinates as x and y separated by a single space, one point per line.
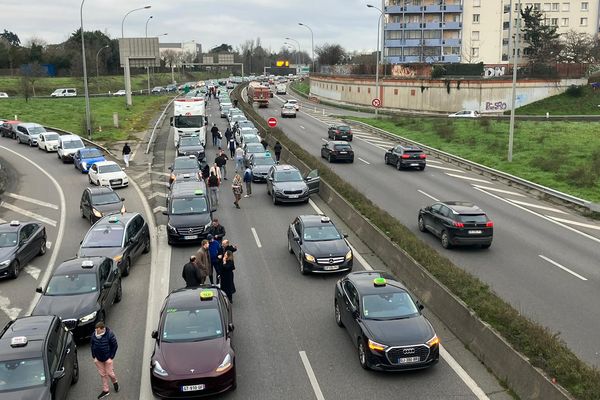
365 161
33 201
153 195
433 161
556 210
500 191
29 214
467 178
568 221
12 312
311 376
258 244
428 195
323 139
159 209
145 184
445 168
33 271
562 267
301 127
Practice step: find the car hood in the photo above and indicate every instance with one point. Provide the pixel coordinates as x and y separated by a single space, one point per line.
6 253
329 248
67 307
191 148
37 393
113 175
99 251
189 220
108 208
400 332
203 356
92 160
301 185
71 151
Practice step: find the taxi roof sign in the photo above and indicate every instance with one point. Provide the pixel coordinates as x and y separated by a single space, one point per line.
199 192
87 264
15 223
113 219
379 281
325 219
18 341
206 295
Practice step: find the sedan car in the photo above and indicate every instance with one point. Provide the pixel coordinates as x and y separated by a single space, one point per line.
288 110
260 163
96 202
84 158
107 173
236 118
293 102
193 353
158 90
318 245
336 150
340 132
405 157
250 149
121 92
20 242
384 322
285 184
457 223
186 165
48 141
465 114
191 146
122 237
81 292
225 110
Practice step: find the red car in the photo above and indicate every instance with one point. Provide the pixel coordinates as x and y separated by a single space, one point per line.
193 356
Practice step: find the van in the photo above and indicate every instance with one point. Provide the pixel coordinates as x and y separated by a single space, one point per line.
28 133
68 146
281 88
69 92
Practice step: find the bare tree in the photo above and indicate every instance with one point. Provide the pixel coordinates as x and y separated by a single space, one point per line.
169 56
330 54
577 47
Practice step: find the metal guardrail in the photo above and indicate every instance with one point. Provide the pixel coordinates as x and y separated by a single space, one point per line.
544 192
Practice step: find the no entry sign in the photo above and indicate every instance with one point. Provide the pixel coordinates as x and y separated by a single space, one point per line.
376 103
272 122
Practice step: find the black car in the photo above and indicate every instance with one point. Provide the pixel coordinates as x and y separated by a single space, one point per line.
38 359
250 149
336 150
190 212
340 132
186 165
20 242
457 223
285 184
406 157
260 163
97 202
191 146
122 237
9 129
318 245
385 323
81 291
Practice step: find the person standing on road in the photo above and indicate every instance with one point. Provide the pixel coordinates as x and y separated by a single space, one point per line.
215 132
231 146
213 188
217 230
228 134
239 159
236 188
126 154
226 272
264 143
248 181
203 261
191 273
219 139
225 247
216 170
277 148
213 252
104 349
221 161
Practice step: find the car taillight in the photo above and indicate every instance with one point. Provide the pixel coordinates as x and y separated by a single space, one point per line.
422 156
489 224
458 224
405 156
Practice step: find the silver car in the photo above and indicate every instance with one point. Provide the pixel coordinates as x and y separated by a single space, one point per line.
28 133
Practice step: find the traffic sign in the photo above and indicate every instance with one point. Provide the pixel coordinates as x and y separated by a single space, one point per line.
272 122
376 103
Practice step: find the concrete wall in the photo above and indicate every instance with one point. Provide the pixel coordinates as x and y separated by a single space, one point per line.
485 96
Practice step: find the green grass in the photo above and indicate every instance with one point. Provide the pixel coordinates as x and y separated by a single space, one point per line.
564 104
69 114
302 86
561 155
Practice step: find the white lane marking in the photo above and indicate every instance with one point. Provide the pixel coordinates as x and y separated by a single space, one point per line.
138 176
301 127
428 195
500 191
33 271
137 147
12 312
556 210
153 195
323 139
29 214
568 221
445 168
462 374
48 244
380 141
258 244
145 184
434 161
547 218
575 274
33 201
159 209
365 161
311 376
467 178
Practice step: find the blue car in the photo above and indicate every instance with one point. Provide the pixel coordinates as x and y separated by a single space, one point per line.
85 158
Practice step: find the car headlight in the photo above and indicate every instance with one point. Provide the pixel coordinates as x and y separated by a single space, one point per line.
376 346
225 365
159 370
171 228
277 190
5 263
207 226
83 165
309 258
118 258
349 255
88 318
97 213
123 209
435 340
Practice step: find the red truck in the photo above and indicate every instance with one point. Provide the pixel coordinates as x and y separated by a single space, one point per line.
259 94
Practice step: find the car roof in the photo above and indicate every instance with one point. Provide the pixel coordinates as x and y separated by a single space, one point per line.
315 220
7 227
339 142
65 138
75 265
100 190
89 150
190 297
410 147
186 188
285 167
463 207
103 163
364 282
29 124
34 328
124 218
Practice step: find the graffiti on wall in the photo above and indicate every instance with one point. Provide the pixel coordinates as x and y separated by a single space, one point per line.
493 72
403 71
492 106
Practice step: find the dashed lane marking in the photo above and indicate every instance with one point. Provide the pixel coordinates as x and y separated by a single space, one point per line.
570 222
153 195
256 238
29 214
500 191
365 161
311 376
12 312
575 274
445 168
159 209
556 210
31 200
467 178
33 271
301 127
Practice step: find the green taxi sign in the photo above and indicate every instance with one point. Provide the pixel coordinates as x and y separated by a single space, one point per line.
199 192
379 282
206 295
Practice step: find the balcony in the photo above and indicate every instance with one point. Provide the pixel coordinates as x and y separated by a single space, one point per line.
412 42
411 59
450 42
432 42
432 25
412 25
393 59
393 43
453 8
450 25
393 26
451 58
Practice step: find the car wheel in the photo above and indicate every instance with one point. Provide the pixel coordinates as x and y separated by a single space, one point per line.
91 218
119 294
329 158
126 267
90 180
422 227
147 247
302 269
446 240
398 165
39 148
42 250
81 212
289 243
385 159
75 378
275 202
362 354
338 314
422 168
15 269
30 143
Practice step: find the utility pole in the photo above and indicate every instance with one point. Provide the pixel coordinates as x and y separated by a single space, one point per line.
514 84
88 115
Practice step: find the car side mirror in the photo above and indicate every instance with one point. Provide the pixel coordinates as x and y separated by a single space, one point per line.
154 335
297 239
122 198
421 306
345 235
213 209
107 285
231 327
39 289
59 374
165 213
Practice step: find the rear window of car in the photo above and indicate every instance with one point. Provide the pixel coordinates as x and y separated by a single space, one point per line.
413 151
344 147
473 218
92 153
343 128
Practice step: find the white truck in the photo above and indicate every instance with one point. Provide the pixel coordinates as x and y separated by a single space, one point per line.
281 88
189 119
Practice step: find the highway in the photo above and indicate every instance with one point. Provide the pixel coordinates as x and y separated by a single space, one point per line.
544 259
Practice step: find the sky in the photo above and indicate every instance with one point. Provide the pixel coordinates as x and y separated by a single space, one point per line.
209 22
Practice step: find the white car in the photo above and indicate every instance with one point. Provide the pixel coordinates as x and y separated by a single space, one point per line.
3 95
281 88
108 173
48 141
246 130
293 102
121 92
68 146
465 114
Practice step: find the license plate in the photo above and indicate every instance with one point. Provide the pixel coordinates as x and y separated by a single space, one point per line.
414 165
192 388
331 267
293 196
115 182
476 232
343 152
408 360
190 237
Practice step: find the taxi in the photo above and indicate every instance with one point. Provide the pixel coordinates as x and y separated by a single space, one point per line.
193 355
384 322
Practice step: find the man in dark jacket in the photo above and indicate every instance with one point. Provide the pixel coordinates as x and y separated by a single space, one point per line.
217 230
104 348
277 149
191 274
215 134
221 161
213 252
228 133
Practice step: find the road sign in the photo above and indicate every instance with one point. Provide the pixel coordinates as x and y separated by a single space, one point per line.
272 122
376 103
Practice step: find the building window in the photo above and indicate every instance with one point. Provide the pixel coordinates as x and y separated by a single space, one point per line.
412 34
475 35
393 35
431 34
475 18
358 89
476 3
546 7
566 6
395 92
564 22
537 6
583 21
584 6
474 51
555 6
554 21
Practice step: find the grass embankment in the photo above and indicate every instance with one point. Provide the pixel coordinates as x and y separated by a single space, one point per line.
302 86
561 155
581 101
544 349
69 114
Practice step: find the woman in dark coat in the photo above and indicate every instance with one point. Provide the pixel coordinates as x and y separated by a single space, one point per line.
227 284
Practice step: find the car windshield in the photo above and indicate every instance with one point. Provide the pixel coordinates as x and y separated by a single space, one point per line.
106 235
343 128
238 118
36 130
263 161
189 121
72 144
189 141
105 198
92 153
288 176
255 148
8 239
246 124
321 233
109 168
289 107
389 306
473 218
191 325
21 374
185 163
51 136
65 285
251 139
343 147
189 205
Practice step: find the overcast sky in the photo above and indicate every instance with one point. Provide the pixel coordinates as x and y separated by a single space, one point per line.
209 22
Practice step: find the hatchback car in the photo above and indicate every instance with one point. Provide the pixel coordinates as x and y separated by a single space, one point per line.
405 157
457 223
122 237
340 132
8 128
250 149
189 211
83 159
96 202
158 90
107 173
20 242
121 92
190 146
285 184
260 163
48 141
68 146
465 114
193 352
384 322
186 165
81 292
336 150
293 102
28 133
288 110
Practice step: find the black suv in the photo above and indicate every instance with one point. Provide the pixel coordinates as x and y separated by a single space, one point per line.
97 202
340 132
285 184
81 291
189 210
20 242
336 150
457 223
191 146
406 156
38 359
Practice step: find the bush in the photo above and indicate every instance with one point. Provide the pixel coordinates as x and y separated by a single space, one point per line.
550 161
583 176
445 129
574 91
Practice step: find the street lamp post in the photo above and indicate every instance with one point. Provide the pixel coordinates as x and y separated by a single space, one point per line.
377 54
293 47
88 117
97 69
312 44
148 20
127 71
147 67
300 57
511 130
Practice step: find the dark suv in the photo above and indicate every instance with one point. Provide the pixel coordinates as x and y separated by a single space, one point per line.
457 223
406 157
189 210
285 184
340 132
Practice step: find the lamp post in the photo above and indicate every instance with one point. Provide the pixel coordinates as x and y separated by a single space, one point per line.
88 117
97 69
293 47
312 44
127 72
148 68
377 54
511 130
300 57
148 20
125 16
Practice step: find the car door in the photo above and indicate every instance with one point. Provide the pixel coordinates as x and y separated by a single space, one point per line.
134 234
434 221
41 142
77 159
105 297
270 181
93 173
443 218
59 361
313 181
26 245
296 239
324 150
84 204
350 309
